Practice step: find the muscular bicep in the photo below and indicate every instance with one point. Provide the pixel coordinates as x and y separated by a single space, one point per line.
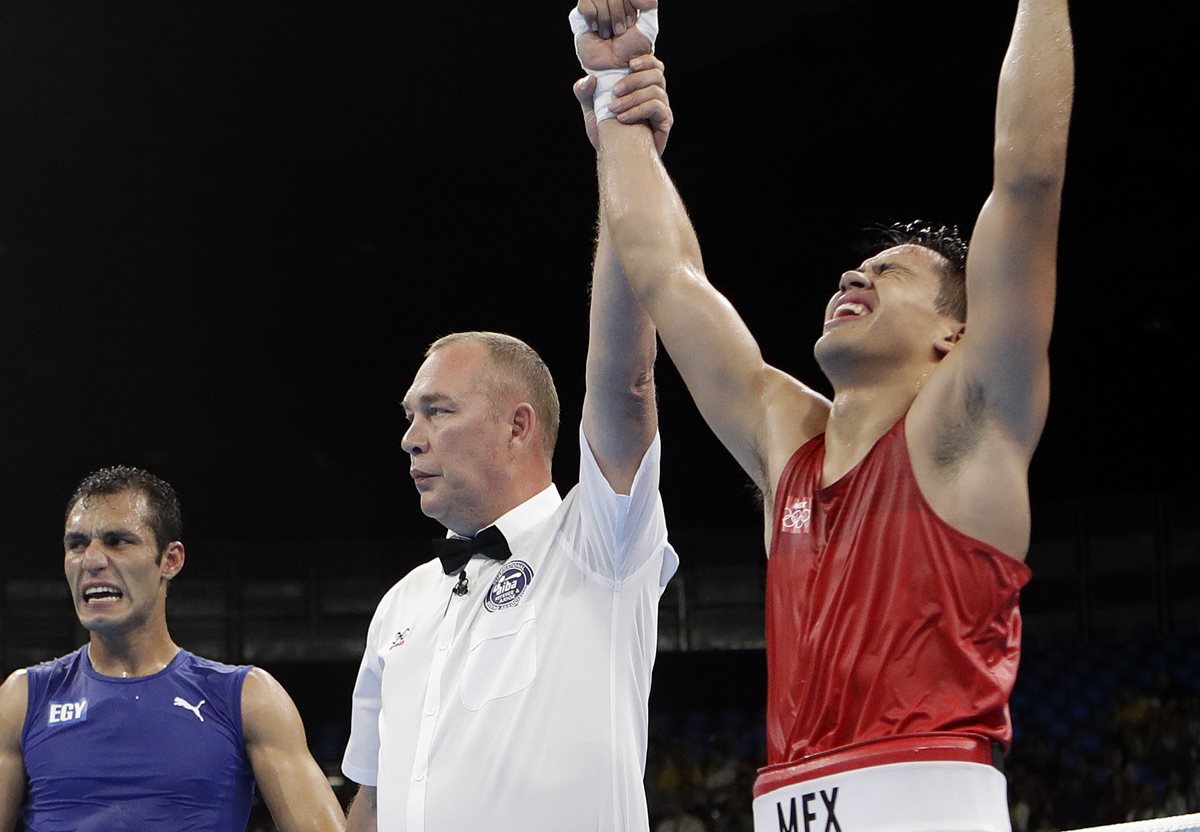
1011 274
1012 265
975 426
296 791
14 698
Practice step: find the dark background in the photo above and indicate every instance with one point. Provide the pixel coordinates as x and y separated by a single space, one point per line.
227 233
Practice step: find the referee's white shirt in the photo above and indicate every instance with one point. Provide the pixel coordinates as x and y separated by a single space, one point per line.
521 706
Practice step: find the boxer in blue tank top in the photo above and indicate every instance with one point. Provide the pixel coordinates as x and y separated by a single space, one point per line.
130 733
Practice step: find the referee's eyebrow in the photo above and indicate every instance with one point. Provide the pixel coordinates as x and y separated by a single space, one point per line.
425 400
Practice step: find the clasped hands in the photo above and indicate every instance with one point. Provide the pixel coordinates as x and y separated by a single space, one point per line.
613 41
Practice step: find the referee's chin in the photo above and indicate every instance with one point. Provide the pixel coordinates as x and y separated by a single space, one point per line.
436 508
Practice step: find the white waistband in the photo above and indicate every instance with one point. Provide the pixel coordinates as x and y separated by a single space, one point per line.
934 796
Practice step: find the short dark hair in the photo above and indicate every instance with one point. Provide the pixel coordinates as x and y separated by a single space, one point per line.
944 240
165 520
519 366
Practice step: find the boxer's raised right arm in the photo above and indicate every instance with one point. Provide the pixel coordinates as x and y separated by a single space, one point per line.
758 412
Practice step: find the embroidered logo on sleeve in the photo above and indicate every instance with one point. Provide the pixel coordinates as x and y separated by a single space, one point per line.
796 515
508 587
62 712
398 640
183 703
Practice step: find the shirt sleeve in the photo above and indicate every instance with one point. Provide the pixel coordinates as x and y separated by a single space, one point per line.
361 760
620 535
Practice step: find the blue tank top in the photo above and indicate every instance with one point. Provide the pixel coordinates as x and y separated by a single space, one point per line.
161 753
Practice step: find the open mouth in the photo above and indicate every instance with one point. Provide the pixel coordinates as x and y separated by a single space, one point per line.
102 595
850 310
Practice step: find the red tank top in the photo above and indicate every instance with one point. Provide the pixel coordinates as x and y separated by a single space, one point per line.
882 620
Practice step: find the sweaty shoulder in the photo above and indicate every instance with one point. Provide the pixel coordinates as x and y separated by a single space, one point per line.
261 696
260 687
14 702
262 692
793 413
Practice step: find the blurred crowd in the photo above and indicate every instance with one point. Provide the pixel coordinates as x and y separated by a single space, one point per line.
1104 733
1137 760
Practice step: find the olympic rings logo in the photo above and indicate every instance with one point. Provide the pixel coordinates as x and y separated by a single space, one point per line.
796 516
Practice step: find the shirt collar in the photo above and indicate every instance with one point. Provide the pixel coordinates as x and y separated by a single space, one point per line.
517 521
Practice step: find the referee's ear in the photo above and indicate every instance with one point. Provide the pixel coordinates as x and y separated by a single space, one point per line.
524 427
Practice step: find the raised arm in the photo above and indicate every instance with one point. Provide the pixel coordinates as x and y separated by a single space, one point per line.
14 700
1012 263
619 408
974 427
759 413
295 790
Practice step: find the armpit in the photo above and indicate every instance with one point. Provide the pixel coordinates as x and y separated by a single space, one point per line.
961 432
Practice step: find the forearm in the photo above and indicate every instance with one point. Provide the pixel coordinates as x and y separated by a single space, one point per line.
708 342
1034 100
651 232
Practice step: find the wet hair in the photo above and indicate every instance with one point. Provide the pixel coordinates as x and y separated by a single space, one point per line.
519 368
165 518
944 240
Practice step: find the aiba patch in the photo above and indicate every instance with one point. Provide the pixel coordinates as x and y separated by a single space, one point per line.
509 586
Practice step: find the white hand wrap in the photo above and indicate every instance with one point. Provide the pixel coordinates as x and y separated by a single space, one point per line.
647 24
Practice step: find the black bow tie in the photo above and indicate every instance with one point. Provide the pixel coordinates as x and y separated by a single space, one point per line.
454 552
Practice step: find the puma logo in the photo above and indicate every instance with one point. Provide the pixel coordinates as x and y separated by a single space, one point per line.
183 703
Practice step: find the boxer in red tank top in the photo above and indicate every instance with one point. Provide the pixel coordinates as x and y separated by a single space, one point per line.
897 513
938 647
